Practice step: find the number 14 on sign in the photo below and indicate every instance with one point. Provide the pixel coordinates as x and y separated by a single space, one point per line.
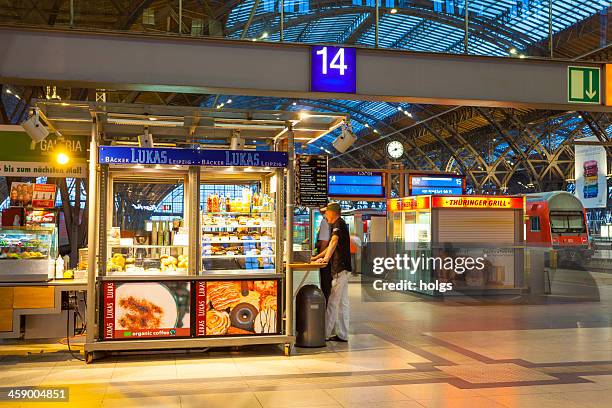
336 63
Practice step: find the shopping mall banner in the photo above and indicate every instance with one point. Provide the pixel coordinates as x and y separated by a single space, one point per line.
591 167
20 156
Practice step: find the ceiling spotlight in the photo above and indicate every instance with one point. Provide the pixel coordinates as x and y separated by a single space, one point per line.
34 128
366 125
513 51
393 10
294 103
229 101
399 108
522 56
346 139
375 130
264 35
408 114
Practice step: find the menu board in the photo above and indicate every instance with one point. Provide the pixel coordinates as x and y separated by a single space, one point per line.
311 180
241 307
134 310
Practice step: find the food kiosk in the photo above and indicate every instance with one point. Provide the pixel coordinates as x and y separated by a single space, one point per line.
214 275
485 227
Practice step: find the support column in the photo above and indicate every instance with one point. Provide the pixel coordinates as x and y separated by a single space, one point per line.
92 236
289 230
466 35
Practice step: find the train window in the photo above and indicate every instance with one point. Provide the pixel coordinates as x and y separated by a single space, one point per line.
535 223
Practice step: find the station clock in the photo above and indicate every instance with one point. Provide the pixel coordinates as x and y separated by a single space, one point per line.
395 149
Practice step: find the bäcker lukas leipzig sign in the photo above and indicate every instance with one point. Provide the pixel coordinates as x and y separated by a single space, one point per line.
191 157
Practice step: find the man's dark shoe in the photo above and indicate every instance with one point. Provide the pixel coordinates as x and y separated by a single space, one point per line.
336 338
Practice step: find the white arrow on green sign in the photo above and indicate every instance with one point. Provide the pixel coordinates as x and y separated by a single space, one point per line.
584 85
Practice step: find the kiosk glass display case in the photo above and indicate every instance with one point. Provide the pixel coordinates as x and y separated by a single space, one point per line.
148 236
238 230
27 253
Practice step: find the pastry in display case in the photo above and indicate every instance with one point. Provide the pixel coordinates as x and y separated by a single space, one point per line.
27 254
238 234
148 259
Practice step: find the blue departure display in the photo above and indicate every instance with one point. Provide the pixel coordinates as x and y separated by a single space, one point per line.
355 184
436 185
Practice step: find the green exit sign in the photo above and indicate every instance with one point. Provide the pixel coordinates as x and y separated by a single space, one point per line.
584 85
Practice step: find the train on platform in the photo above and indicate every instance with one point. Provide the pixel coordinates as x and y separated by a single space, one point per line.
558 220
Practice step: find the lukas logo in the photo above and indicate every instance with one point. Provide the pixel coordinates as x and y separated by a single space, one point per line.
149 156
242 159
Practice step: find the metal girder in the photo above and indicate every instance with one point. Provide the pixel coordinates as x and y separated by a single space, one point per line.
422 26
134 11
360 29
460 162
521 156
595 127
70 59
246 26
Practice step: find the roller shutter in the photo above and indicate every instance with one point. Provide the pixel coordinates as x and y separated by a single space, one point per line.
476 226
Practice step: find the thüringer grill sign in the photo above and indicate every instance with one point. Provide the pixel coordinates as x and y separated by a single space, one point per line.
478 202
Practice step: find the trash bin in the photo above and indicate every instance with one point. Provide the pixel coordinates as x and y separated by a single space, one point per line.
310 317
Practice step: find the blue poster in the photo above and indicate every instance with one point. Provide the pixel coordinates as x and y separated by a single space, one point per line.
191 157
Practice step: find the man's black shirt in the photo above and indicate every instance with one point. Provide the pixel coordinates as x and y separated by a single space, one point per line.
341 258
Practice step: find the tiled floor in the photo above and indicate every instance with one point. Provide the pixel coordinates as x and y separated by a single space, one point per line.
410 354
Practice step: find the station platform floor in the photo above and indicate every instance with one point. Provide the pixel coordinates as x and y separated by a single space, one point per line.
411 354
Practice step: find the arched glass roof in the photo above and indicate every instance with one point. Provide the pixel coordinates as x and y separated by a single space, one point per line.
418 25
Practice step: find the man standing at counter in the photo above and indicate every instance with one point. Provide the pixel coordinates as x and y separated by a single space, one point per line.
321 245
338 254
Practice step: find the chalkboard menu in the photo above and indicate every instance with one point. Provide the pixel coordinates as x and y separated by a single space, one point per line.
311 180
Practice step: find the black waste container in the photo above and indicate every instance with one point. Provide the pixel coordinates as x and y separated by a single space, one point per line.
310 317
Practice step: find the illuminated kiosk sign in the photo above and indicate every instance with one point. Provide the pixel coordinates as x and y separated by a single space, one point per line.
333 69
471 202
355 184
191 157
512 203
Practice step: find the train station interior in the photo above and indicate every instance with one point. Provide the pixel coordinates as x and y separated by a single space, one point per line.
299 203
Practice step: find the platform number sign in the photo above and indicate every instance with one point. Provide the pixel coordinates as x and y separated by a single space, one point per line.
333 69
584 85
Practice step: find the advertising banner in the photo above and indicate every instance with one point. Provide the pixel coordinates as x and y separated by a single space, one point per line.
21 194
191 157
200 304
133 310
239 308
44 196
34 195
20 156
591 167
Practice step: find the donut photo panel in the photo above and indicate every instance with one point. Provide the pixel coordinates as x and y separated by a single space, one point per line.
240 308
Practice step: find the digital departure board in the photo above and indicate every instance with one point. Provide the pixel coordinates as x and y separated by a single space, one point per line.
436 184
356 184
